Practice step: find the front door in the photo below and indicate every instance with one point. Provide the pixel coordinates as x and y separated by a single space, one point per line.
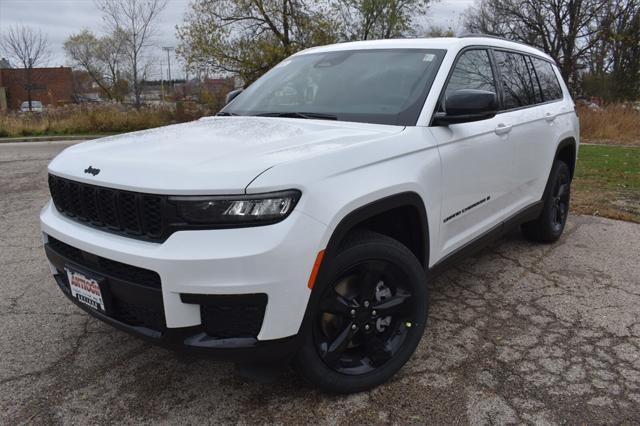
477 160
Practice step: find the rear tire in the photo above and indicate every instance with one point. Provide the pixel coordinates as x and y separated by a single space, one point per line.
548 227
370 316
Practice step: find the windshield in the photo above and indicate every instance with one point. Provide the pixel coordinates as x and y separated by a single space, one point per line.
383 86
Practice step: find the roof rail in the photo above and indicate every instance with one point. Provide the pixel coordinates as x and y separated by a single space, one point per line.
470 35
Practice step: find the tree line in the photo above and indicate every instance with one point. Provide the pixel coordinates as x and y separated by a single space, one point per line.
596 43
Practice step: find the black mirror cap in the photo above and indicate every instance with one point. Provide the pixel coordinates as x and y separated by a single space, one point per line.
232 95
467 105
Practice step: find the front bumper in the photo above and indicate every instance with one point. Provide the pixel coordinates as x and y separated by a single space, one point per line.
273 260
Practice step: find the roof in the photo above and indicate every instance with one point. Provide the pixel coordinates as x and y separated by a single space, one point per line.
449 43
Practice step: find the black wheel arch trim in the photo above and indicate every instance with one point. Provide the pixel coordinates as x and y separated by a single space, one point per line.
382 205
565 143
569 142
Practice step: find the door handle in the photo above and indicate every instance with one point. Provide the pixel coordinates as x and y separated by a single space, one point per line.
549 117
502 129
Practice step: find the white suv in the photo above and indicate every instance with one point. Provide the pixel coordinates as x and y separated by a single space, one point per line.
305 220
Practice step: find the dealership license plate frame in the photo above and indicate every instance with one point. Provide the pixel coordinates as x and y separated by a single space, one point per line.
88 289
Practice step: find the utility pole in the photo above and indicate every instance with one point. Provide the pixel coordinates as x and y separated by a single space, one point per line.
161 83
168 49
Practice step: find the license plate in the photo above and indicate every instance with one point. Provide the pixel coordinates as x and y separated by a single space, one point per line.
85 289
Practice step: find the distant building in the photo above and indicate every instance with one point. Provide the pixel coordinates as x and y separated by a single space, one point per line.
51 86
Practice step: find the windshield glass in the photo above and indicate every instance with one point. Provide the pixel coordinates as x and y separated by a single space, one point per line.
383 86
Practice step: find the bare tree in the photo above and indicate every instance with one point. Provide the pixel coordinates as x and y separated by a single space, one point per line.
135 19
564 29
26 47
110 53
619 39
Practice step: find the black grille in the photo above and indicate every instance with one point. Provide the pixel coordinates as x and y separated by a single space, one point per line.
228 316
123 212
105 266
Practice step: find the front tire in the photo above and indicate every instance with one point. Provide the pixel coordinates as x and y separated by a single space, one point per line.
370 316
549 226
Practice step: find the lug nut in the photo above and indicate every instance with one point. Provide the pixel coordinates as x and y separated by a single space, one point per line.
366 303
367 327
353 312
353 326
374 313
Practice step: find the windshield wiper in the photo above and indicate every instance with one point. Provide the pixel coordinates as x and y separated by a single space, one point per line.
226 114
293 114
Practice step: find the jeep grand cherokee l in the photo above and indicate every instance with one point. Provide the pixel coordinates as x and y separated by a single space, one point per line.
304 221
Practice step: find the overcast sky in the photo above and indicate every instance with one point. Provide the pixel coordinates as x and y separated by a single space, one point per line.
60 18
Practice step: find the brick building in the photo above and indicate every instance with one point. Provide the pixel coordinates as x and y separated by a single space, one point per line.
51 86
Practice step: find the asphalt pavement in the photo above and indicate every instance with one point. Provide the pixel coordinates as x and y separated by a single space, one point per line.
520 333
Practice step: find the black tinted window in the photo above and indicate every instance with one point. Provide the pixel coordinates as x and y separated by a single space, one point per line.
472 71
537 91
548 81
517 80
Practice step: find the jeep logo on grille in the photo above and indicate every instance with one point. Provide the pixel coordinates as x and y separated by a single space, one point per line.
90 170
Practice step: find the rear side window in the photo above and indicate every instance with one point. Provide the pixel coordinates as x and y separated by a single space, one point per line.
549 83
471 71
517 80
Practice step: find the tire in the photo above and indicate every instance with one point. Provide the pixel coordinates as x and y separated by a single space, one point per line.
548 227
351 345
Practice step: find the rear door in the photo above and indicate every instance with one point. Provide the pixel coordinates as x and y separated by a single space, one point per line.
536 158
477 159
531 133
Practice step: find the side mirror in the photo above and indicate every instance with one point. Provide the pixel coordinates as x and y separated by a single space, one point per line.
232 95
467 105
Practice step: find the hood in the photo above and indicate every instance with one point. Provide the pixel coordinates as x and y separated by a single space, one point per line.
214 155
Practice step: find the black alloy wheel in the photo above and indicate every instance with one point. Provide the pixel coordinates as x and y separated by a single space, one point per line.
560 202
548 227
364 318
369 315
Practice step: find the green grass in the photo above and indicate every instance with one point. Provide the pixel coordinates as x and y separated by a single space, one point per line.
607 182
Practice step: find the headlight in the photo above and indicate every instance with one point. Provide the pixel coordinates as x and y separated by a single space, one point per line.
253 209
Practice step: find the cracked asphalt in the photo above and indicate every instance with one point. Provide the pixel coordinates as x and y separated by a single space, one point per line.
520 333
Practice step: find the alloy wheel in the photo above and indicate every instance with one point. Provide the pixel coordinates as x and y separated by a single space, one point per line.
364 317
560 202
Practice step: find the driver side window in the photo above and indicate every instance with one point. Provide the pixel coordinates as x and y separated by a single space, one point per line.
471 71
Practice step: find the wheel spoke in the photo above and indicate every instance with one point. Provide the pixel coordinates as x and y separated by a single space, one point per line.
563 190
331 352
392 305
335 304
368 278
376 349
563 210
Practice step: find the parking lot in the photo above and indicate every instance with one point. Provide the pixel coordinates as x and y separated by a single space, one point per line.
518 333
